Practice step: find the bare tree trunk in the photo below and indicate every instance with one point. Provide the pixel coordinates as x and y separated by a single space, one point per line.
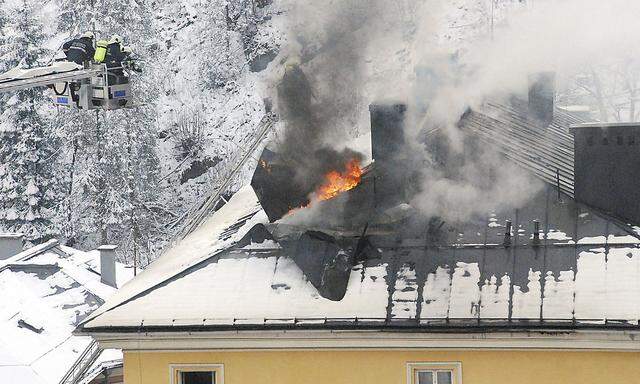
70 232
599 95
630 80
101 199
135 229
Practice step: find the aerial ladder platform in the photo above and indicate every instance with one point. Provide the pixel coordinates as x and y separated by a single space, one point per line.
92 87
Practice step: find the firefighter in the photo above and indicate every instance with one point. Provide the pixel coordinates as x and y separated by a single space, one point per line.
114 54
80 51
114 58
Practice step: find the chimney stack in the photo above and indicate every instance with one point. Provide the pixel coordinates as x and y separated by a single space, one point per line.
606 164
387 144
542 91
10 245
108 264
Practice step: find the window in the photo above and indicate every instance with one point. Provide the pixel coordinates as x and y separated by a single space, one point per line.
197 374
434 373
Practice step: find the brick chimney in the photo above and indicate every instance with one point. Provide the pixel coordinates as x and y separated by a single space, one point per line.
542 91
10 245
606 163
108 265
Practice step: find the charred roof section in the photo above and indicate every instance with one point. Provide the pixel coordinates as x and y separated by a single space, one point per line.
275 184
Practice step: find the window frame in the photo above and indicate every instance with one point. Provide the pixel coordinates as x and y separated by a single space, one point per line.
414 367
176 369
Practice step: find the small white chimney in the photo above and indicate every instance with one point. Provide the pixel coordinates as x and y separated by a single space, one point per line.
108 264
10 245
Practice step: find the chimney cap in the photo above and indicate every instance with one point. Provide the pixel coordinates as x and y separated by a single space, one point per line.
388 104
107 247
575 127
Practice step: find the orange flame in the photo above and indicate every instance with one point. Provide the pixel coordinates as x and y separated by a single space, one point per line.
265 165
338 182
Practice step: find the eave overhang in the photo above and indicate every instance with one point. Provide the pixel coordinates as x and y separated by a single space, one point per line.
380 339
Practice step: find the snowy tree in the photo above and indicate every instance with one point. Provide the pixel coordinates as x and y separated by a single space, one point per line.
121 183
75 17
102 149
611 88
30 188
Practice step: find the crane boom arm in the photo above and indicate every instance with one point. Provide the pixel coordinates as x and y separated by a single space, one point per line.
41 81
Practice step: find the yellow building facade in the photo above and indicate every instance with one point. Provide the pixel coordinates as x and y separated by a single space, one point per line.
392 366
368 356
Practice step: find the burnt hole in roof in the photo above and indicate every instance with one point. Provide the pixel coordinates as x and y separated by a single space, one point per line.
466 274
258 235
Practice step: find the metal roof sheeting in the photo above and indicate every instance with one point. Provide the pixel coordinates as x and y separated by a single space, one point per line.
542 150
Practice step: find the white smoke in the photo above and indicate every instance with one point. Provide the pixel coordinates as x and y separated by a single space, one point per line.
362 52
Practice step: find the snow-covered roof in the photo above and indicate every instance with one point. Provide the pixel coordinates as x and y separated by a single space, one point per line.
587 270
109 360
47 291
584 272
221 230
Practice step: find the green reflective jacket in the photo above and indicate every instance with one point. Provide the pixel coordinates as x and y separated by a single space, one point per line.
101 51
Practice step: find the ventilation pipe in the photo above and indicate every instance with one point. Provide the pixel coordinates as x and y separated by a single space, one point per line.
507 234
536 233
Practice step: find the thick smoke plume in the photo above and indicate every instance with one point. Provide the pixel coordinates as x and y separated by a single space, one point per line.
354 53
319 90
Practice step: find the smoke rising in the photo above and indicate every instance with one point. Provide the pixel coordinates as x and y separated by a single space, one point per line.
354 53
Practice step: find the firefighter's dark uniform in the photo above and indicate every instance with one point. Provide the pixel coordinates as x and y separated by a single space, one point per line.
79 50
113 59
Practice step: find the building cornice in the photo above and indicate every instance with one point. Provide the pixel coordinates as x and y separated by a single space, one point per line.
358 340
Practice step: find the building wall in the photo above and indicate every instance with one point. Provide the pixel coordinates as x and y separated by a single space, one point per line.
375 366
